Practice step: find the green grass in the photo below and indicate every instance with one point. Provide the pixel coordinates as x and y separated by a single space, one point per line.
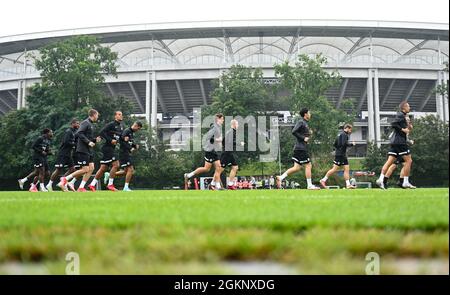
328 231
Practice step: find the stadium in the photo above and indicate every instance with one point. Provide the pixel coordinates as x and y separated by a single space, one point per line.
167 69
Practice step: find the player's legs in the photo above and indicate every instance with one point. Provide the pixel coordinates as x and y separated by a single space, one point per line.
55 174
103 168
391 170
120 173
112 175
200 170
347 177
90 170
308 173
217 172
41 178
407 166
387 164
30 176
233 172
406 170
323 181
390 160
129 171
79 173
290 171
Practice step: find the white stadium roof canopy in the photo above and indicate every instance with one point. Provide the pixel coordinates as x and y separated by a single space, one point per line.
247 28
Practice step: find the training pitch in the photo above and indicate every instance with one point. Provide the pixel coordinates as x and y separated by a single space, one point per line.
226 232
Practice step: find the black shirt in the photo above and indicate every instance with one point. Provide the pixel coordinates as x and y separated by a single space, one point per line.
341 144
229 141
126 146
112 131
85 135
301 131
399 137
68 144
41 147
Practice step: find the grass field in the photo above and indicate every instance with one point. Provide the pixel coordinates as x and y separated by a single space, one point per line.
200 232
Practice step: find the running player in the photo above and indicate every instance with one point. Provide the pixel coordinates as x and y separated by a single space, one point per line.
301 157
399 146
65 157
212 143
341 144
111 134
41 149
127 147
85 154
399 161
228 157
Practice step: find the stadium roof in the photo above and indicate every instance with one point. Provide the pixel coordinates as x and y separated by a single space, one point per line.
247 28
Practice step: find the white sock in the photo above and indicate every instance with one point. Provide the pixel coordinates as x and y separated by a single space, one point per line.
230 183
309 181
218 184
94 182
24 179
111 181
82 184
73 181
381 177
126 185
325 178
405 180
190 174
50 182
69 177
42 187
347 182
283 176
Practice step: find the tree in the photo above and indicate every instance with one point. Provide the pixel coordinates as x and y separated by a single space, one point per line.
307 83
443 88
74 69
239 91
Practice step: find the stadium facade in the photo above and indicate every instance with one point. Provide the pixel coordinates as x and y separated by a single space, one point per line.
167 69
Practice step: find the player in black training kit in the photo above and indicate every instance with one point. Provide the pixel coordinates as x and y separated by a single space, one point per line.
341 144
301 157
398 161
85 155
111 134
127 147
65 157
228 157
212 143
399 147
41 149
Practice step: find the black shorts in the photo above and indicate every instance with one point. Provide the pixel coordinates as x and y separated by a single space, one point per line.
64 161
109 155
399 160
75 161
399 150
125 160
211 157
227 159
39 162
301 157
84 159
340 160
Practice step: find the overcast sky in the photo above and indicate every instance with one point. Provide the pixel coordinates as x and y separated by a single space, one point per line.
27 16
